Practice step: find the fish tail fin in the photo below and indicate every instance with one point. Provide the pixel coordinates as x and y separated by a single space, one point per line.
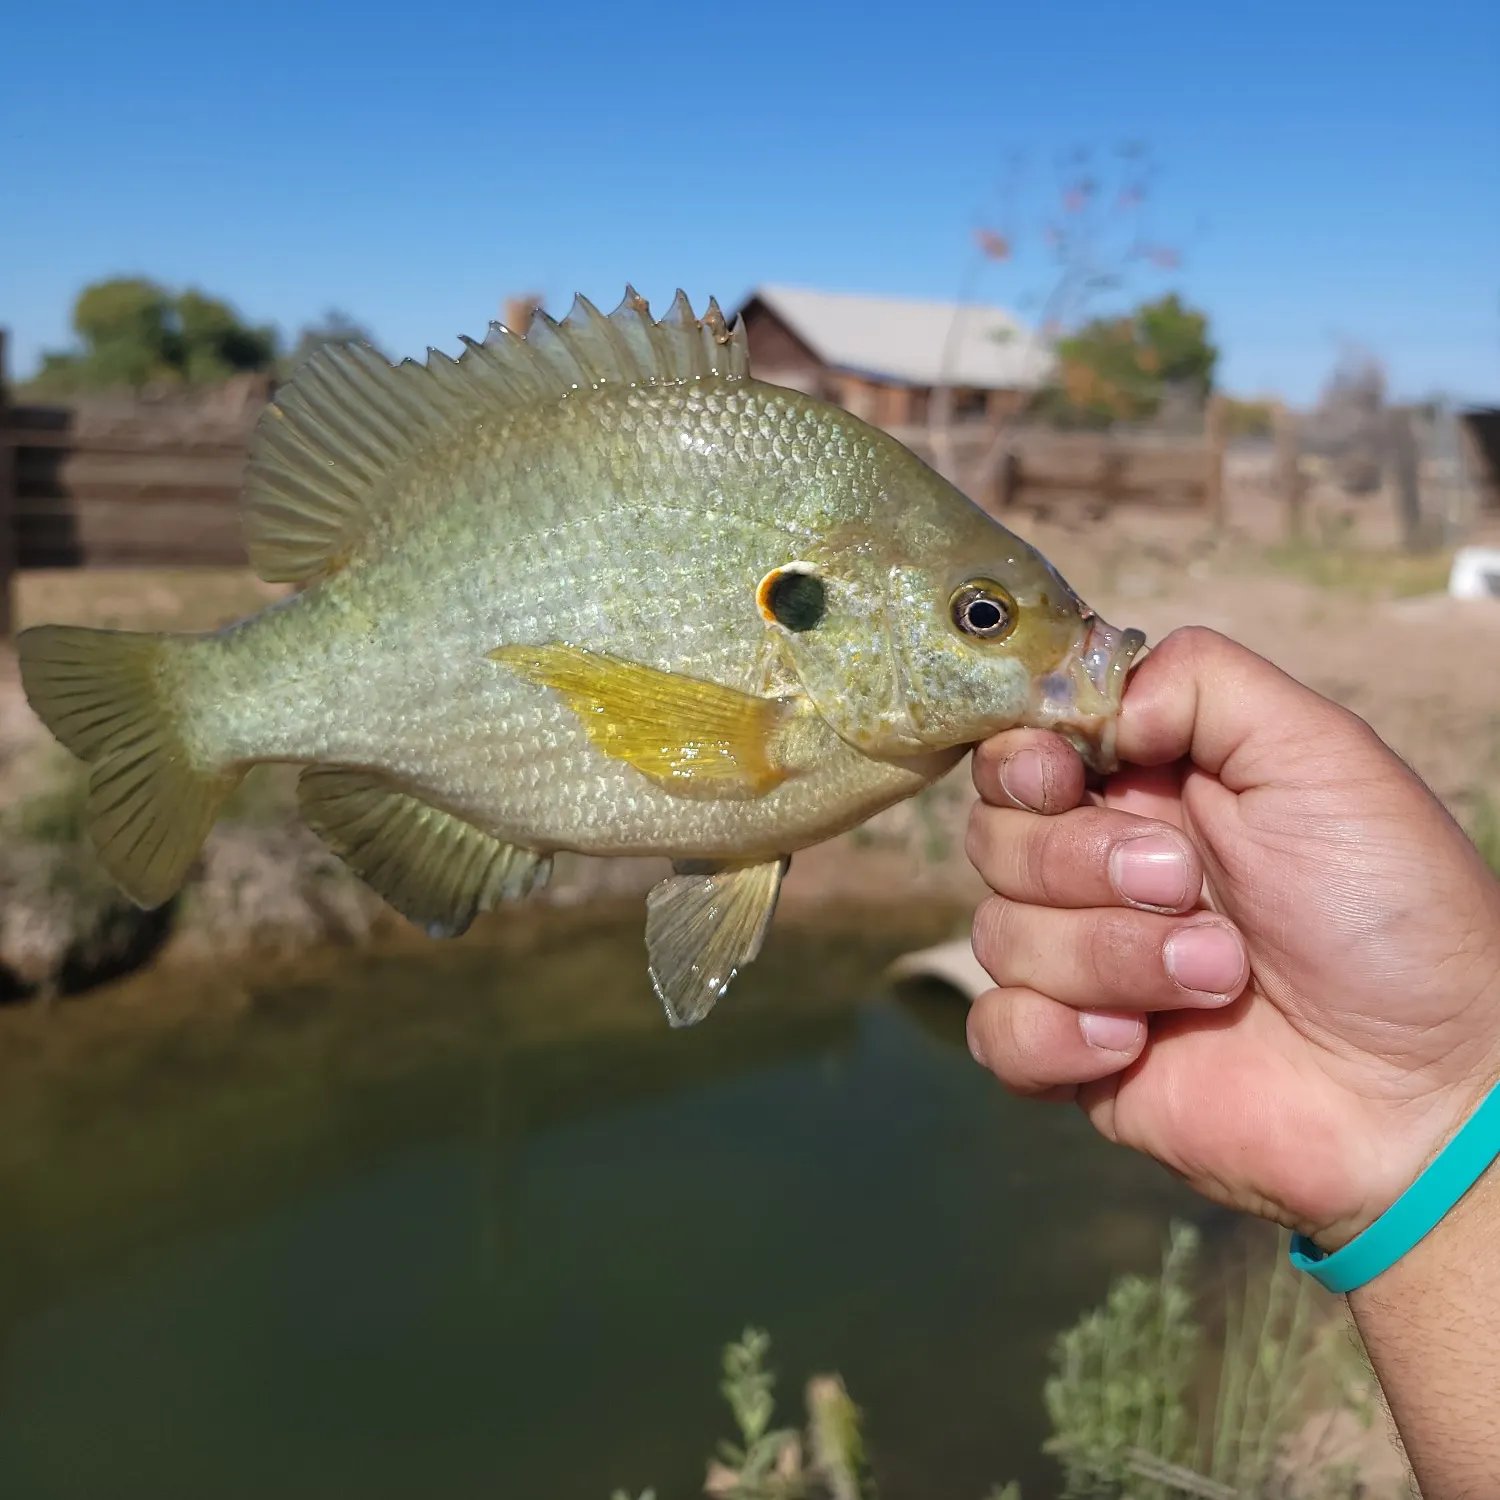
104 696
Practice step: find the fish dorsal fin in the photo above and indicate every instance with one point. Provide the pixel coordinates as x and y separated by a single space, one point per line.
326 453
434 868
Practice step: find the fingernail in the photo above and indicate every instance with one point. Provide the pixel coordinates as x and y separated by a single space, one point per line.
1023 779
1208 958
1151 871
1110 1033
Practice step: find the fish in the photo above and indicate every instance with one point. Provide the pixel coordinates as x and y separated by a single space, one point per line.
587 587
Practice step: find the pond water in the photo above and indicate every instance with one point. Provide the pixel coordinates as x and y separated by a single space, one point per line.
471 1221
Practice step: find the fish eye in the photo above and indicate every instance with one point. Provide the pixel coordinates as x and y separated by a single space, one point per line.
983 609
793 596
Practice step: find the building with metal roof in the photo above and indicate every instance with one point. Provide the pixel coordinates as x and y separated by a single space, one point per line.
883 356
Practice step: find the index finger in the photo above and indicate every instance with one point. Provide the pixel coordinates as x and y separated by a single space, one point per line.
1030 769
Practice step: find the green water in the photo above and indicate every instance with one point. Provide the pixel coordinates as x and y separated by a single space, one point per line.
373 1234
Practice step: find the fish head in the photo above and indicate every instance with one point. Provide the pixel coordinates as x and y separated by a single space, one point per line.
938 636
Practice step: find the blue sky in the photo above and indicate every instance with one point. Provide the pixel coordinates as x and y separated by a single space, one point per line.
1328 172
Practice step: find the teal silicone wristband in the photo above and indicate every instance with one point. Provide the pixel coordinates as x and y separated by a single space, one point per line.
1414 1215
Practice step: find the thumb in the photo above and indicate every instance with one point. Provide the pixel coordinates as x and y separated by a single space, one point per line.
1201 697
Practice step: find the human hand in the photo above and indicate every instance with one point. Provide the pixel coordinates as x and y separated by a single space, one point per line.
1265 955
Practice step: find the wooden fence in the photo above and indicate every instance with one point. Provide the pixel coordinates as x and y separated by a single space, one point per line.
123 481
1039 464
153 481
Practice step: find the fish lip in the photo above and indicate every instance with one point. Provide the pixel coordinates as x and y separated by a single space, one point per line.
1080 698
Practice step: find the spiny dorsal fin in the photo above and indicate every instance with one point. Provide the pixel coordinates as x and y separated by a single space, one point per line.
435 869
326 452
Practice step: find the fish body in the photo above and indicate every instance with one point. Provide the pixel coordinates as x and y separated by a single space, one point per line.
595 590
638 522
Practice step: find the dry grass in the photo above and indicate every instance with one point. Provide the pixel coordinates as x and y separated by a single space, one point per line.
1367 572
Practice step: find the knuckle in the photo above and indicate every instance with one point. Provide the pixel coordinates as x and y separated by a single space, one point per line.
1116 954
1197 643
1030 1037
1003 1032
1053 861
986 937
977 836
986 1029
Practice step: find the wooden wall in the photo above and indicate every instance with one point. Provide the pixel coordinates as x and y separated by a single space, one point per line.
778 355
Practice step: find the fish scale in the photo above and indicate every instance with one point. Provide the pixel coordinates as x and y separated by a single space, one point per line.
678 596
541 609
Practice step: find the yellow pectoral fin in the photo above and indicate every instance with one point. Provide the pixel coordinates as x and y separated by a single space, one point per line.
692 737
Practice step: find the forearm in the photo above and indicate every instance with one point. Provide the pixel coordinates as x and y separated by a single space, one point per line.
1432 1326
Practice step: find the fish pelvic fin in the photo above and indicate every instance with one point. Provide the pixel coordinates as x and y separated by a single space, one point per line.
692 738
106 696
702 927
430 865
325 454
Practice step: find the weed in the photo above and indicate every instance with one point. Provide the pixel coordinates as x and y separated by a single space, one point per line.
1140 1407
1484 829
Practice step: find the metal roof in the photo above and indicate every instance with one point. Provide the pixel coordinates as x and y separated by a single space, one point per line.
907 342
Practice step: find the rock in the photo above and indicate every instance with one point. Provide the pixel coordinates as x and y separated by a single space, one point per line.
64 928
272 890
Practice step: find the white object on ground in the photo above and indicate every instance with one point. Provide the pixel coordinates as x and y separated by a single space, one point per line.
1475 574
952 963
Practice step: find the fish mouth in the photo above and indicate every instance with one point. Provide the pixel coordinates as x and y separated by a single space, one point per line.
1080 697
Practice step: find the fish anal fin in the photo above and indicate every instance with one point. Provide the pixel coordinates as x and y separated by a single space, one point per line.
702 927
693 738
430 865
327 453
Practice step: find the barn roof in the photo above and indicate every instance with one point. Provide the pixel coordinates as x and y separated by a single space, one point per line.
905 342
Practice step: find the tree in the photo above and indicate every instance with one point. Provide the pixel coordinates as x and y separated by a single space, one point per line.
335 327
1092 234
126 328
133 332
1121 368
1349 425
216 344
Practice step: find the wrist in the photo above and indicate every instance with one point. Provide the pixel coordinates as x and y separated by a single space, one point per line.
1403 1141
1438 1191
1431 1327
1465 1233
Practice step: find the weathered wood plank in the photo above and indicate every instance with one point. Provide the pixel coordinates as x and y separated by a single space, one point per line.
115 481
104 533
1108 466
